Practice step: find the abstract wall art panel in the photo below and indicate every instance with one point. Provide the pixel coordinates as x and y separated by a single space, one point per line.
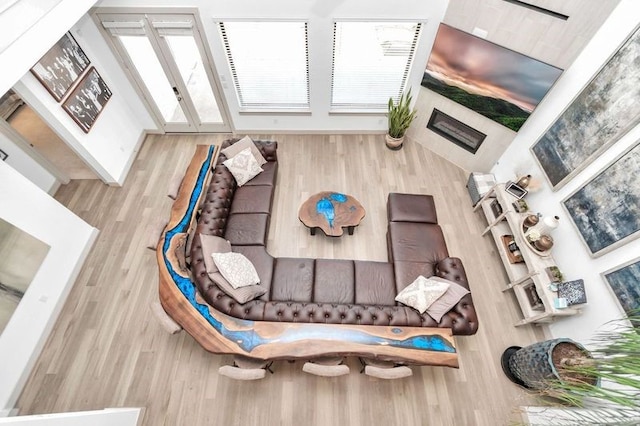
600 115
624 281
606 210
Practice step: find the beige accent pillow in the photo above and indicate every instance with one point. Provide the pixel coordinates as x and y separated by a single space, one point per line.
242 294
236 269
212 244
246 142
449 299
243 166
421 293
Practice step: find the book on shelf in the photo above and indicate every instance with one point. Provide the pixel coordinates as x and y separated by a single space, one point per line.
496 208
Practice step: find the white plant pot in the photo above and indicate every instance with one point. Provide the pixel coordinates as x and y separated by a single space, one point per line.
394 143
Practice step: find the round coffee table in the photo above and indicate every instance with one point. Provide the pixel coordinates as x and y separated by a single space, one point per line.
331 211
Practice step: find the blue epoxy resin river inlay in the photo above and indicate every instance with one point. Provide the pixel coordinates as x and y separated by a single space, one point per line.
248 339
324 206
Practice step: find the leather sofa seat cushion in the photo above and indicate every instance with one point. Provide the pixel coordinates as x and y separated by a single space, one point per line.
252 199
416 242
374 283
334 282
411 208
293 280
267 177
407 272
247 229
262 261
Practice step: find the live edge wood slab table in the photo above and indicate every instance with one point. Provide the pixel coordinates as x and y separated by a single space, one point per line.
331 211
219 333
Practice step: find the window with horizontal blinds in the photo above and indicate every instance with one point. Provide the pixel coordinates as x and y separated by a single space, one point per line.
371 63
269 63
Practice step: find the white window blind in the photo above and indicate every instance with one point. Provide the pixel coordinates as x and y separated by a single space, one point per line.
371 63
269 63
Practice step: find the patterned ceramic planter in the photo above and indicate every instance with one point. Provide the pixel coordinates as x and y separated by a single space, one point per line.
531 366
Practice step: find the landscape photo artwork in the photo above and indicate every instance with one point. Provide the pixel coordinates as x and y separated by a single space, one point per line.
494 81
600 115
606 210
61 66
625 283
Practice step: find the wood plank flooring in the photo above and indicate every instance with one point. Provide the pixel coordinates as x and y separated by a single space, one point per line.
107 350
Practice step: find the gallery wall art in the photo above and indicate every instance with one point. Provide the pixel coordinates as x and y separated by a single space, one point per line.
600 115
61 66
87 100
624 282
606 210
494 81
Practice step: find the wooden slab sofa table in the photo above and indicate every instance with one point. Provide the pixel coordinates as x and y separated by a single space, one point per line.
331 211
220 333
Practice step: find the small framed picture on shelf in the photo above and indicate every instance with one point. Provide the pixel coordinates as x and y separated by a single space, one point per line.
515 190
534 300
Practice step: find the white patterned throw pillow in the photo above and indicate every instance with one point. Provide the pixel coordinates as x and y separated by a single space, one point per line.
421 293
236 269
243 166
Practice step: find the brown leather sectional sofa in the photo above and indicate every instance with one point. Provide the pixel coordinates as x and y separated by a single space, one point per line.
333 291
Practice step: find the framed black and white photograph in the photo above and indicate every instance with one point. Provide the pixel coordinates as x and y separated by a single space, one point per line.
606 210
624 282
3 155
61 66
87 100
600 115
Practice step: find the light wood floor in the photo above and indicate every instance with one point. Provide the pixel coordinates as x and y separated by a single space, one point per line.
107 350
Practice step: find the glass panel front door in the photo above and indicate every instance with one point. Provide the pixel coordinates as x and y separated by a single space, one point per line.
169 65
187 57
154 78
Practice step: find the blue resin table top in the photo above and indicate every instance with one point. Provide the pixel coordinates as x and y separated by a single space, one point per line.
331 211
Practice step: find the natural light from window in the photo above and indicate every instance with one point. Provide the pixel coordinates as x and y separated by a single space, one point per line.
269 63
371 63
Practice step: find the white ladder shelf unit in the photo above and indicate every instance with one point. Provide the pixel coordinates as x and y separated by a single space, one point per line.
526 278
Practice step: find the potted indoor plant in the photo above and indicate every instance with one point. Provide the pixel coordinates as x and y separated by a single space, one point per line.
603 380
400 117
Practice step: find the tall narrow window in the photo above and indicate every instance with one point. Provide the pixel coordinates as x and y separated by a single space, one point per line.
371 63
269 63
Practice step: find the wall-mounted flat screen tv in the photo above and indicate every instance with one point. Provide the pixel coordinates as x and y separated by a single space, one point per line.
494 81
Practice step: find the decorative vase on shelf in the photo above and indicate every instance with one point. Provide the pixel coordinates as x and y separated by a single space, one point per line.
544 243
523 182
530 220
545 226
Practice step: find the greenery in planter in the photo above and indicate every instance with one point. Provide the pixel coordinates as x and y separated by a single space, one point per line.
400 115
606 383
555 274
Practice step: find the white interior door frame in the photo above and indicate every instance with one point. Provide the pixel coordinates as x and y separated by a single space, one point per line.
141 21
25 146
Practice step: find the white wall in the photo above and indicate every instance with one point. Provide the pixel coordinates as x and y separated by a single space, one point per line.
27 166
572 256
320 16
29 208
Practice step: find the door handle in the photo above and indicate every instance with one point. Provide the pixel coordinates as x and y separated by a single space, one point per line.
175 92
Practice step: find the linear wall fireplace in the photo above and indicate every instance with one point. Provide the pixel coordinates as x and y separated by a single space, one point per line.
455 131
